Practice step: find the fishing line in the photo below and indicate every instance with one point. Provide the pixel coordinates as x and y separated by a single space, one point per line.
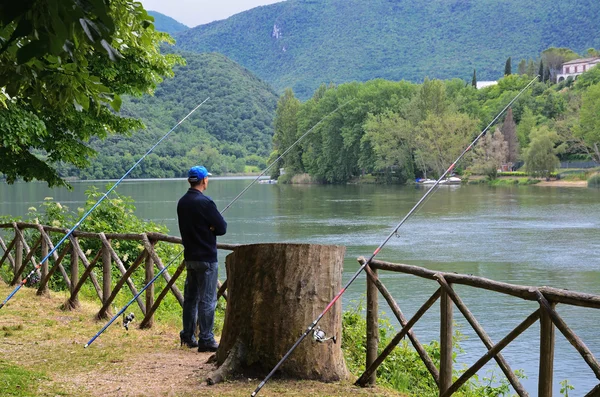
314 323
66 236
222 211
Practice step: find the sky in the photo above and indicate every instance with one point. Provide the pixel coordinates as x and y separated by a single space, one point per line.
197 12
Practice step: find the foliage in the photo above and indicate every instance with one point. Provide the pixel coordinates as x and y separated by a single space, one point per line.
509 132
594 181
232 129
398 40
490 154
403 369
589 120
64 67
541 155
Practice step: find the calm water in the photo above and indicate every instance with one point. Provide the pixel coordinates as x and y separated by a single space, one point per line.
522 235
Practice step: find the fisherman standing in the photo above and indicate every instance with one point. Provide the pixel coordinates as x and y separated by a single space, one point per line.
199 225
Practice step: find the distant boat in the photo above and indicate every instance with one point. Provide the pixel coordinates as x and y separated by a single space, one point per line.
268 181
453 180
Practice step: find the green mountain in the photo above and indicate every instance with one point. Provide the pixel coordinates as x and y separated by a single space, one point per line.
167 24
232 130
303 43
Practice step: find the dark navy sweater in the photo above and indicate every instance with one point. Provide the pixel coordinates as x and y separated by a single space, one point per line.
199 224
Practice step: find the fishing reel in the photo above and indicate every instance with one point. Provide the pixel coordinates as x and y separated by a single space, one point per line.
127 319
321 337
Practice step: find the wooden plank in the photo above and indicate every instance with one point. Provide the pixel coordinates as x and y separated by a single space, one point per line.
364 378
43 290
72 301
446 335
573 339
222 290
546 371
106 280
402 320
163 293
160 266
86 264
508 372
372 326
595 392
57 262
532 318
122 269
119 285
7 254
149 319
46 238
18 260
520 291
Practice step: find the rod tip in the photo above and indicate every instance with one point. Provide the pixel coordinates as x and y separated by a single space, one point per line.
86 345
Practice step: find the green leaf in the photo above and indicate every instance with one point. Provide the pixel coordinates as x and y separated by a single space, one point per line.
116 103
32 50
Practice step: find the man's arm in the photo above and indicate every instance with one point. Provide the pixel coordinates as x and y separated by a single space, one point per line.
215 220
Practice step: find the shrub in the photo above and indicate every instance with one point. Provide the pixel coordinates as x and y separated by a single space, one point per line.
594 181
403 369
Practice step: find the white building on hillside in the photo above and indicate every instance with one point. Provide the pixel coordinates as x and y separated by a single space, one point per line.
576 67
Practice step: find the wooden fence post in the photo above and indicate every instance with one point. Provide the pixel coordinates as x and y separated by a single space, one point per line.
74 299
546 353
18 258
106 278
372 325
445 341
44 291
149 321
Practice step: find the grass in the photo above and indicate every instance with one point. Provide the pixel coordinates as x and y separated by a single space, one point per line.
42 355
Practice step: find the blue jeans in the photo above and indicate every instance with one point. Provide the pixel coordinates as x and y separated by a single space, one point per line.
200 300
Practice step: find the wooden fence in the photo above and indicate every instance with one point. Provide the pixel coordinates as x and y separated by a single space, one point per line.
17 254
547 298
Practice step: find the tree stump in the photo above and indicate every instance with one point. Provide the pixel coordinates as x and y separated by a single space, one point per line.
275 292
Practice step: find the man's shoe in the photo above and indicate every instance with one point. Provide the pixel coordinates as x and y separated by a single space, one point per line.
188 343
208 347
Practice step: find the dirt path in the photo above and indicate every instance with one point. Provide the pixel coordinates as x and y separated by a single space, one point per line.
43 345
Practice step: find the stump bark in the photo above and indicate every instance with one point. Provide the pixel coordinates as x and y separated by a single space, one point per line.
275 292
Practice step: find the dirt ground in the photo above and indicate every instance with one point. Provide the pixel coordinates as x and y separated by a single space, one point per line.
43 345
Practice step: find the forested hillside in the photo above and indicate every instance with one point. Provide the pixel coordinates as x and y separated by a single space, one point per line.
230 131
303 43
163 23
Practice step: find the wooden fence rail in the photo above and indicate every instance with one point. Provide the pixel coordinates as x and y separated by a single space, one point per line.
546 297
17 255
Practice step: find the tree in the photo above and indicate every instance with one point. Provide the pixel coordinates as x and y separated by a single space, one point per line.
522 68
541 70
589 120
531 68
508 67
553 60
286 131
490 153
474 79
528 121
63 68
541 156
393 141
442 138
509 132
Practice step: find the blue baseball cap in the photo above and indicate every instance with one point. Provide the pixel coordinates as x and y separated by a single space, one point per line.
197 173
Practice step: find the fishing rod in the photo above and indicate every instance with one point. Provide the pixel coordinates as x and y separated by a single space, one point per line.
70 232
222 211
394 232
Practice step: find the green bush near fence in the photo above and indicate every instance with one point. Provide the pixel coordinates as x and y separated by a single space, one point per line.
594 181
403 369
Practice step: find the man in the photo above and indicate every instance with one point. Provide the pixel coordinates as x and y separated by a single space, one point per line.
199 225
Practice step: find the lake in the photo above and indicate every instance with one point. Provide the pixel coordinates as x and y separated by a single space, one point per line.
527 235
